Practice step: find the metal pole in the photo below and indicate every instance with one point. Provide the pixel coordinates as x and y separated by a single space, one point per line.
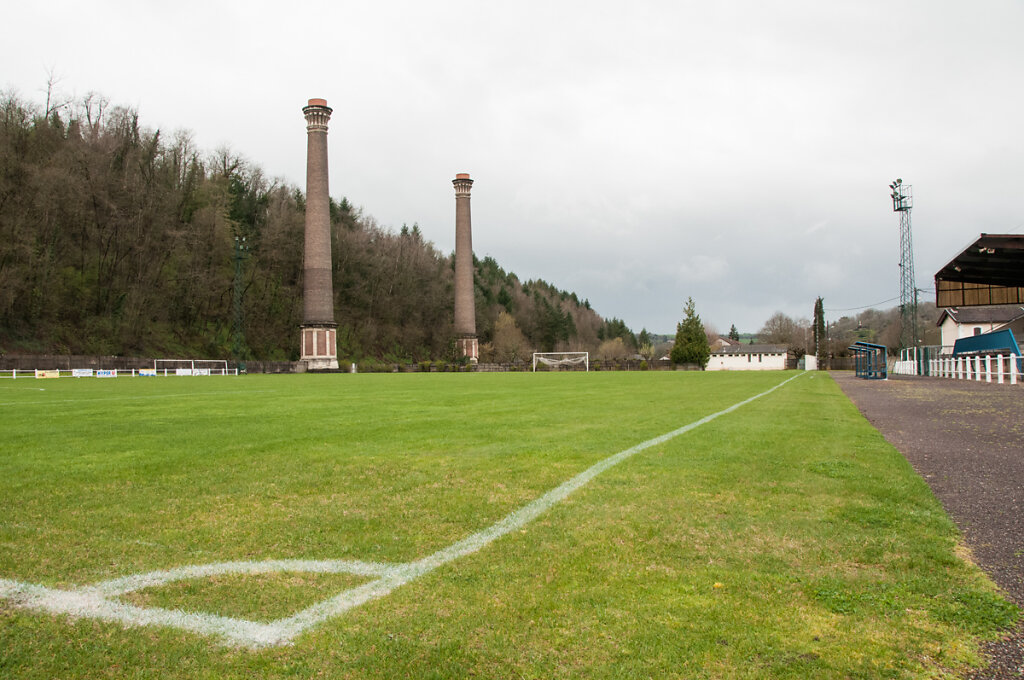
238 341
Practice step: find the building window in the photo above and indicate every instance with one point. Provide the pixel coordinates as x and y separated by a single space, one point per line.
977 330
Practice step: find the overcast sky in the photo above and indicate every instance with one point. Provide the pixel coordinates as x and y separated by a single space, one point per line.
738 152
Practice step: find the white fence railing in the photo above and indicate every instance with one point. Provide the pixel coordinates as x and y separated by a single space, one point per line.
999 369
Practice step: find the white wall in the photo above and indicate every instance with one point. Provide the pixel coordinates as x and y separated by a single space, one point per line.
747 362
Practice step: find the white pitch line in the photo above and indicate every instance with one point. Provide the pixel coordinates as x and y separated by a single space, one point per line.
83 603
94 601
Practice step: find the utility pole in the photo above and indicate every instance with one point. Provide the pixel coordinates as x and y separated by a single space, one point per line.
238 341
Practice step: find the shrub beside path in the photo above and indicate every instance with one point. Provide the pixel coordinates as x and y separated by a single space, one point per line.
966 439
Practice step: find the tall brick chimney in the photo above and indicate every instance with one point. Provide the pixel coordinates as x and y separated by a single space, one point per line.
465 305
319 331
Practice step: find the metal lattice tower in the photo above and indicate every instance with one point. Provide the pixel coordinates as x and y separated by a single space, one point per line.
902 203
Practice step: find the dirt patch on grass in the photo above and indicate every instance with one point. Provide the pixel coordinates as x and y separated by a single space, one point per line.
966 439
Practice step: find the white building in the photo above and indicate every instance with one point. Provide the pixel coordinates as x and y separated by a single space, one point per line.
749 358
963 322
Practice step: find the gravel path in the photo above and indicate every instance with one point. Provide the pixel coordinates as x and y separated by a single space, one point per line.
966 439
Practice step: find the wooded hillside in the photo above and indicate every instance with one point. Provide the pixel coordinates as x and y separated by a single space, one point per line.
119 240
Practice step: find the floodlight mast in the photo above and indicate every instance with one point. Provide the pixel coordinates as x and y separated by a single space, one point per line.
902 201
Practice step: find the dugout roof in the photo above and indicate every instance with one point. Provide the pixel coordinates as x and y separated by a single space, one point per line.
990 271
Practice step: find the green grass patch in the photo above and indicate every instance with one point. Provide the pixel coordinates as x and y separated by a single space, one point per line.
786 539
255 597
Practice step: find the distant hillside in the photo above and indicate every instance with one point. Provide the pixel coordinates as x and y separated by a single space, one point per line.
119 240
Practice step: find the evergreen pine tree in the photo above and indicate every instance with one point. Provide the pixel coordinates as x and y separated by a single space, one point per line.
691 346
733 333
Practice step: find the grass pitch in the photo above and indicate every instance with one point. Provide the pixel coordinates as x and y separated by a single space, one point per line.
785 539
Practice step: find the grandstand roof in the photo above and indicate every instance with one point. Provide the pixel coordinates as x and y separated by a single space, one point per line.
989 271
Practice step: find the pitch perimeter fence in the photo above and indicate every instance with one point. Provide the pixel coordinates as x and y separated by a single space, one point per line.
80 366
999 369
63 365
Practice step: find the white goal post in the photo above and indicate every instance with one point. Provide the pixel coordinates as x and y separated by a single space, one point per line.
558 359
191 367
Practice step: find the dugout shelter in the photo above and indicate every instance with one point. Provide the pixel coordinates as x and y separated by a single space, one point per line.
870 360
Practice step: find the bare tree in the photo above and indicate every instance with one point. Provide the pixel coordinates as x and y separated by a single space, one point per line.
612 349
777 330
780 329
509 342
54 101
92 108
711 332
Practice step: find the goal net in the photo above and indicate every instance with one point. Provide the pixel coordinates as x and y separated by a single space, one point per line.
190 366
572 361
